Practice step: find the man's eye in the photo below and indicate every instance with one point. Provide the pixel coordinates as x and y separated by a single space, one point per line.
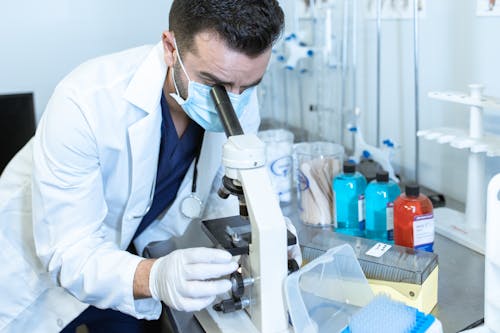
210 83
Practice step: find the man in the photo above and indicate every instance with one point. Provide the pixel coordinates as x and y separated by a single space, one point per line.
113 157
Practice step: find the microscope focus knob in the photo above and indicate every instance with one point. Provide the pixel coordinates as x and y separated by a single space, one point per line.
293 266
237 285
231 305
223 193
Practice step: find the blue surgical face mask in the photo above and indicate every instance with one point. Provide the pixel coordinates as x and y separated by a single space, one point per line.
200 107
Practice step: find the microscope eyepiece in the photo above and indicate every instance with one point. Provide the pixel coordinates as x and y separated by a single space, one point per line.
225 110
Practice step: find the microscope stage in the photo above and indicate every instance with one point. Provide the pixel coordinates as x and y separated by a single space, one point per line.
234 234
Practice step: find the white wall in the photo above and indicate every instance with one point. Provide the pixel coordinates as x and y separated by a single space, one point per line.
42 41
456 48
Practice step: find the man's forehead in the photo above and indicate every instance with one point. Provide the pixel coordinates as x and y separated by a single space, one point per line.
213 56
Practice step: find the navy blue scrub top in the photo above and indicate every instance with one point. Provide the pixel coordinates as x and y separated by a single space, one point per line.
176 155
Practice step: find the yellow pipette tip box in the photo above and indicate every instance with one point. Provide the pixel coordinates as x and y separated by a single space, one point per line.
406 275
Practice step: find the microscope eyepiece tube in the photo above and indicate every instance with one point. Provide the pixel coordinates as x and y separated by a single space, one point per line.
225 110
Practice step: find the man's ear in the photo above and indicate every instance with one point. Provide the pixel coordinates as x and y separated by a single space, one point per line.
167 38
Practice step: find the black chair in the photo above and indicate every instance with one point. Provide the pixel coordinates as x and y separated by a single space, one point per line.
17 124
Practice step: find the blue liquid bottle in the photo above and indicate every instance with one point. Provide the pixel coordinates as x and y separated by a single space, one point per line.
349 188
380 195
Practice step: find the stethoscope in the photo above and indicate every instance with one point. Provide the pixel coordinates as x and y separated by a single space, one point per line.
191 206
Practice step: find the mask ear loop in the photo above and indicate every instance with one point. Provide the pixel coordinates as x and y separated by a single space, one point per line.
180 60
183 69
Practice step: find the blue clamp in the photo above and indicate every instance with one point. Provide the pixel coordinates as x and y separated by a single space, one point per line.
388 143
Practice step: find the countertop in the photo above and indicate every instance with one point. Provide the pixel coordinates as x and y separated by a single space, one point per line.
461 273
461 277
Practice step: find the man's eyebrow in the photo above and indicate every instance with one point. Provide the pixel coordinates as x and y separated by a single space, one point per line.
216 80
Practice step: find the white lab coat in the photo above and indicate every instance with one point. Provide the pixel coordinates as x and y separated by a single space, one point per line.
95 157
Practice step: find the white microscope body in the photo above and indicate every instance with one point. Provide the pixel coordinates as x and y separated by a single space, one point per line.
265 262
244 161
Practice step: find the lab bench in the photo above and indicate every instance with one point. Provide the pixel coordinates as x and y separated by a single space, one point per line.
461 273
461 279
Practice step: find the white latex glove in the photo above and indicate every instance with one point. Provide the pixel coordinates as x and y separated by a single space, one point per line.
294 251
184 281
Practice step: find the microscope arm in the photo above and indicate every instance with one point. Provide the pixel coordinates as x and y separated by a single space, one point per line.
244 161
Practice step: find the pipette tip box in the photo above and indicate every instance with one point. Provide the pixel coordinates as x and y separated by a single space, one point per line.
405 274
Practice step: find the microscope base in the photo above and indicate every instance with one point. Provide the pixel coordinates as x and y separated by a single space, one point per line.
234 322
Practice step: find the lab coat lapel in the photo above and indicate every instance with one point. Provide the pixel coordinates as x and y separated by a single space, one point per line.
210 161
144 138
144 134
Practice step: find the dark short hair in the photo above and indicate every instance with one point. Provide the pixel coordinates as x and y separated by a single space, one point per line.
247 26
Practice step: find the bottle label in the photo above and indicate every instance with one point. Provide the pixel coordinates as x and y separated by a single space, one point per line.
389 213
361 212
378 250
280 174
282 166
423 232
334 210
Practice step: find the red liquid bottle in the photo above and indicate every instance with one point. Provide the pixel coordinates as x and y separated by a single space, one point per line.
414 220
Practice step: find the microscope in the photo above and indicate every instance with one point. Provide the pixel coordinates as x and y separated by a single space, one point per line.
258 235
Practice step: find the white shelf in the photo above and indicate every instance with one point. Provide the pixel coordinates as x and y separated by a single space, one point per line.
467 229
462 98
458 138
451 224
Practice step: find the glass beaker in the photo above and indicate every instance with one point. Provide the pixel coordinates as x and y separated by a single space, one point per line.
279 149
316 165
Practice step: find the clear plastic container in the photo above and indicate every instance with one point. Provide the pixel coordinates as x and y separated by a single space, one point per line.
325 293
316 165
279 149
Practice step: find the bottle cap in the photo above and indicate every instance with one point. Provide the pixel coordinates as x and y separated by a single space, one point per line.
412 190
349 167
382 176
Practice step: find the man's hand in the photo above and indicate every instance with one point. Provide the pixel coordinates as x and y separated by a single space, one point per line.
184 279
